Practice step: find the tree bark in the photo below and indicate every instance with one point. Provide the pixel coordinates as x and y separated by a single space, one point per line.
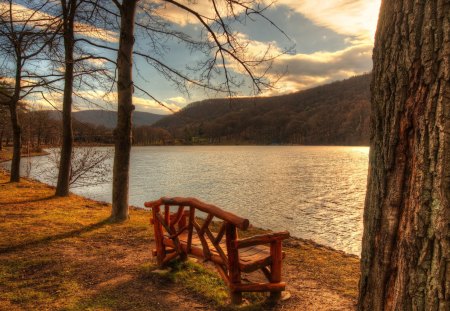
15 123
406 249
122 133
17 143
1 139
62 186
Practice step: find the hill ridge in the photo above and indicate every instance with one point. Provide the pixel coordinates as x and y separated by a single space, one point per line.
334 114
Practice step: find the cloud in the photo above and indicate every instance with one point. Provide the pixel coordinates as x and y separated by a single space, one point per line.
102 100
356 18
354 58
305 70
204 8
178 100
149 105
351 21
22 14
350 17
97 62
309 70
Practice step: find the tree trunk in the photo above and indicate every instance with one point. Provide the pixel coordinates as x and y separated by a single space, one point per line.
15 123
62 187
17 143
406 249
1 139
122 133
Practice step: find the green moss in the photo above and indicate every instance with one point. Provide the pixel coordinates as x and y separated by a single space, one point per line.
204 283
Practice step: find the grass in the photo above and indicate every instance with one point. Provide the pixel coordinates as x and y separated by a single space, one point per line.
64 254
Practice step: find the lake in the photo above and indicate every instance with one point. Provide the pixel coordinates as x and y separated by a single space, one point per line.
315 193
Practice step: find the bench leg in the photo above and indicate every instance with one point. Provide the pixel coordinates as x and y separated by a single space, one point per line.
275 269
236 298
275 296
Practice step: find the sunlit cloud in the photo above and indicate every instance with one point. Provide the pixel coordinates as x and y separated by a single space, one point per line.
145 104
96 99
182 17
22 14
309 70
301 71
356 18
178 100
97 62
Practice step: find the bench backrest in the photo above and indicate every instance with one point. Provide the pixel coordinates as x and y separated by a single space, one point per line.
209 209
184 219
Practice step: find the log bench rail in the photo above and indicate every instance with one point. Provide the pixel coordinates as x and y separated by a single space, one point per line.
178 234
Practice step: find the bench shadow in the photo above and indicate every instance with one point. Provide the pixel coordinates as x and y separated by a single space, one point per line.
56 237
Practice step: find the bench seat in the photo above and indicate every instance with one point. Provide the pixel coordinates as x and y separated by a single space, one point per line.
251 258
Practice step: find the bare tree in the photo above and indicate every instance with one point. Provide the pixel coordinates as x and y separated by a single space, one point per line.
227 55
4 120
90 166
69 8
24 35
75 12
406 243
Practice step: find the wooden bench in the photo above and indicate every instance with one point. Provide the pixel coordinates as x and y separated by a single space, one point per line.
179 234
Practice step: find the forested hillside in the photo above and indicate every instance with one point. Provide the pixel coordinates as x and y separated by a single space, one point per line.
333 114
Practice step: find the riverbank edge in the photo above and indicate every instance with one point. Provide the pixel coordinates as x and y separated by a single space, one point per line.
6 154
332 269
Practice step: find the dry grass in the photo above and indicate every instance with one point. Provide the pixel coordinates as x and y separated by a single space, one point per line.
63 254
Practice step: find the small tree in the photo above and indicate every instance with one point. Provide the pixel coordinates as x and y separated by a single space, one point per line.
90 166
4 121
24 35
75 12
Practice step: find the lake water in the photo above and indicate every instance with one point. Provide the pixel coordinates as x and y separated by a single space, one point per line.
313 192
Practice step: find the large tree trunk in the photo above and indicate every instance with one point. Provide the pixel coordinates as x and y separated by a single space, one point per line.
405 260
62 187
122 133
17 143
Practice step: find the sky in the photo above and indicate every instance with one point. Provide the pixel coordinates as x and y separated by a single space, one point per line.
333 41
328 41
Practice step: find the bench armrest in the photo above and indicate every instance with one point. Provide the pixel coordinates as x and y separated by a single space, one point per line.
262 239
153 204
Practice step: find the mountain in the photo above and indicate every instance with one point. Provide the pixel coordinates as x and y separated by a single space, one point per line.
108 118
332 114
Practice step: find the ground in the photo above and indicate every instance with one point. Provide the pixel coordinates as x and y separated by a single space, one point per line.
63 254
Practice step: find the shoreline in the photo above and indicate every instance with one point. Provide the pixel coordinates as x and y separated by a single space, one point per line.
6 154
260 229
72 232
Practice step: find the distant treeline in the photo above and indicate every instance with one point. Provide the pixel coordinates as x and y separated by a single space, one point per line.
40 129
